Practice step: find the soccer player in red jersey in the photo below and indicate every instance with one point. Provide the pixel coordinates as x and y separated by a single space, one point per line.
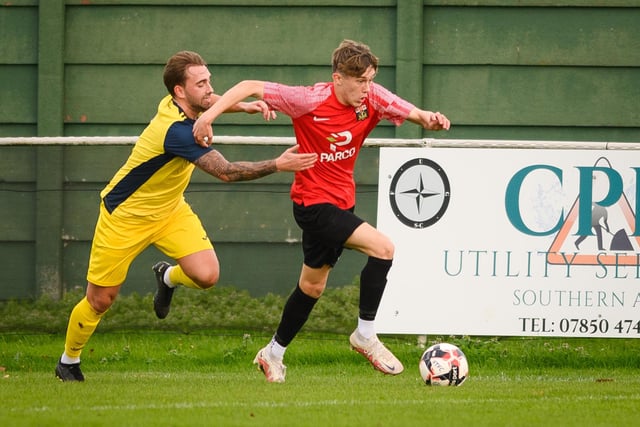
331 119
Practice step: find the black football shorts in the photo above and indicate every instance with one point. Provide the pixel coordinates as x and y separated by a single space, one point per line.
325 229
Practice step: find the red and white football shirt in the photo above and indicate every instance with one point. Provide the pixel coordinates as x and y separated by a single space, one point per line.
335 131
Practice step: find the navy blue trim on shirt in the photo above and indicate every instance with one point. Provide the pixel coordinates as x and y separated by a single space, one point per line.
134 180
180 141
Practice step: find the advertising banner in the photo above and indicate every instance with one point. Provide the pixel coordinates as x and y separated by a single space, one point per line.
511 242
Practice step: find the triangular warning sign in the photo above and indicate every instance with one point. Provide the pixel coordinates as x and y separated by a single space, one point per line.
622 247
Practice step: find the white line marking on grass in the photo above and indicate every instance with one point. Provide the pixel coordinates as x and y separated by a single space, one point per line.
321 403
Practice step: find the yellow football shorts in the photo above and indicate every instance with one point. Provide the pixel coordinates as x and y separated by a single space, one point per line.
118 240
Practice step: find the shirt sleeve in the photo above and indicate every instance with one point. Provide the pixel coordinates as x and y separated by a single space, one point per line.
389 105
295 101
179 141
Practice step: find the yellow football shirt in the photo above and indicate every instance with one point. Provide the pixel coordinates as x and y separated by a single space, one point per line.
152 181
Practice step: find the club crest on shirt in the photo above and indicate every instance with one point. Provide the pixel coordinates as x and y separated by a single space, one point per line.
362 113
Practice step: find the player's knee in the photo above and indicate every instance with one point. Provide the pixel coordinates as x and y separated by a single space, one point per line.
209 280
386 249
101 301
314 290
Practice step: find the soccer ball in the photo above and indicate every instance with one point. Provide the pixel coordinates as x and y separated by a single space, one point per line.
443 364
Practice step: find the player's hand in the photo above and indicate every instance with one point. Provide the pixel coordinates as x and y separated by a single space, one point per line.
292 161
437 121
202 132
258 106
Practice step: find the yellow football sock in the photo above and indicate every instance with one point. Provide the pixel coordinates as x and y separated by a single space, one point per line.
82 323
178 276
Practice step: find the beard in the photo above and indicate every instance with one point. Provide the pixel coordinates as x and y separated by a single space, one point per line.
200 105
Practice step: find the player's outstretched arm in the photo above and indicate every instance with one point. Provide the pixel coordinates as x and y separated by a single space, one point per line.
292 161
429 120
202 131
251 107
216 165
258 107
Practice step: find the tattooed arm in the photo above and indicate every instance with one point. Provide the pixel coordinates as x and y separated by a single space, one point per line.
216 165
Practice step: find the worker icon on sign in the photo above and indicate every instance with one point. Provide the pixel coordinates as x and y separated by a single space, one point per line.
619 240
598 221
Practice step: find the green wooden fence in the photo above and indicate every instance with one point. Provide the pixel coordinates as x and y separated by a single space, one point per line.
531 69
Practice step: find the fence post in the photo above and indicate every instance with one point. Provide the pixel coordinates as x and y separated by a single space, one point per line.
409 47
50 162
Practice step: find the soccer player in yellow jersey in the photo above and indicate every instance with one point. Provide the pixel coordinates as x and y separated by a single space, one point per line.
144 204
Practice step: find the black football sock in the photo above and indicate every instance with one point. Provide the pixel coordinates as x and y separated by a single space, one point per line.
373 280
295 314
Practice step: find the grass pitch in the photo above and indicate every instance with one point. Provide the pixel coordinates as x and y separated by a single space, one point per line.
207 379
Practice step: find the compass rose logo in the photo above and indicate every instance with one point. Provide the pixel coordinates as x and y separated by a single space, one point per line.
419 193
